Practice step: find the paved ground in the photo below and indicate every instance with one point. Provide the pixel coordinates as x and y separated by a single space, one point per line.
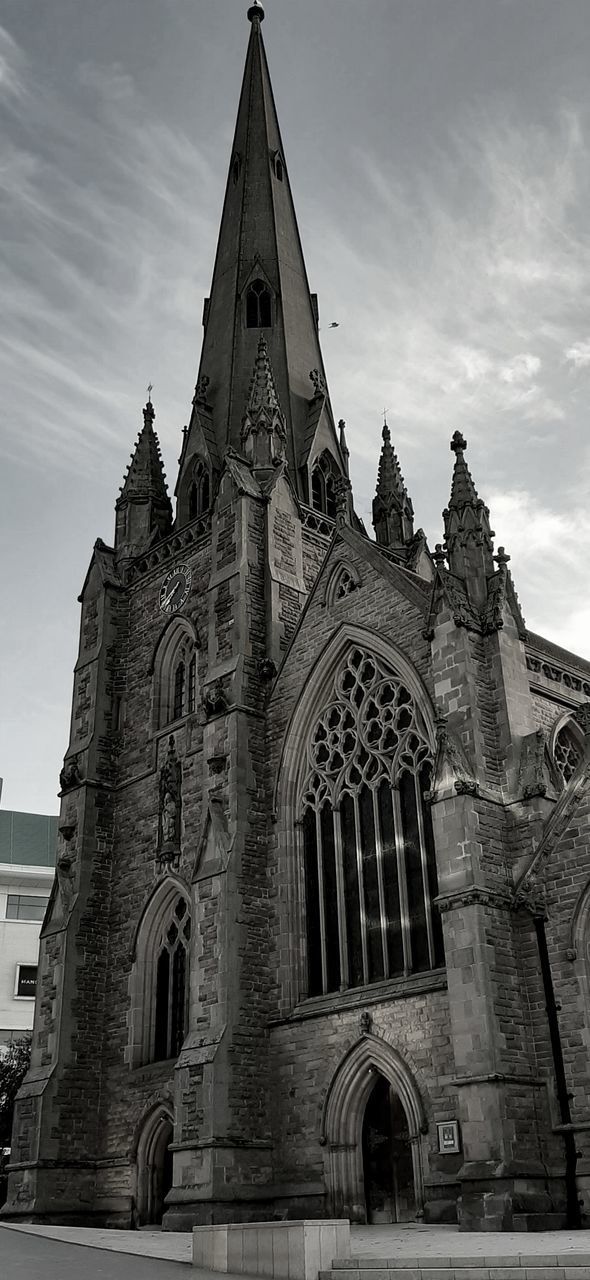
32 1256
175 1246
68 1253
414 1239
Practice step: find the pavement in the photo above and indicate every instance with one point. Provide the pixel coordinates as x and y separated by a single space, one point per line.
30 1252
33 1255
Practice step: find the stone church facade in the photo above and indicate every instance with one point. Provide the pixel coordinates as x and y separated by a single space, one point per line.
318 939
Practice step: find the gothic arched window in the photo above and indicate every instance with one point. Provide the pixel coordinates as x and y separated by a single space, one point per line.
199 492
192 685
323 489
369 861
171 986
179 681
568 750
175 674
159 980
258 306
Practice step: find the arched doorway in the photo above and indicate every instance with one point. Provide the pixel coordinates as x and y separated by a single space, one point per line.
387 1157
154 1167
372 1134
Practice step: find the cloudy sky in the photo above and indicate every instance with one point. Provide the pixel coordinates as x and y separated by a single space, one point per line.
439 153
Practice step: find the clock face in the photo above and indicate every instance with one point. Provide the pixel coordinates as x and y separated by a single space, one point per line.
175 588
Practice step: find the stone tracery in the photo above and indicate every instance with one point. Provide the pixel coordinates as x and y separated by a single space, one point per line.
368 846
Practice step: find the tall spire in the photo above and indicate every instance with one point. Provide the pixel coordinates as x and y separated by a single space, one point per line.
393 514
468 535
143 504
259 283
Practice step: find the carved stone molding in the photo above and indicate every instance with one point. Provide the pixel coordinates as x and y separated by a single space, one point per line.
473 895
558 674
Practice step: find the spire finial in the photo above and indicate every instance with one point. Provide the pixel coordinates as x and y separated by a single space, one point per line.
256 12
458 443
149 412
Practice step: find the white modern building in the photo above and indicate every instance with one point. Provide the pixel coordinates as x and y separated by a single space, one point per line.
27 862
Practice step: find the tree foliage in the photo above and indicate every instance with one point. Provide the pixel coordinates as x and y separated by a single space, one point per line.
13 1069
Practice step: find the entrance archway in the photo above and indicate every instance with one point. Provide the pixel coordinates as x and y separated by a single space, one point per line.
154 1166
387 1157
350 1127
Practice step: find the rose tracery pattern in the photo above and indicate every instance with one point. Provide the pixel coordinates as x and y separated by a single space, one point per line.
370 871
369 731
567 753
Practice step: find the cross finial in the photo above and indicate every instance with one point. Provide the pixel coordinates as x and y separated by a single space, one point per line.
149 392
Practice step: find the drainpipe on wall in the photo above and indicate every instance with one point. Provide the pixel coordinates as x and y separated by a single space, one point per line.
574 1217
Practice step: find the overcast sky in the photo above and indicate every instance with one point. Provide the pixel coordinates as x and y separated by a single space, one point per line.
439 154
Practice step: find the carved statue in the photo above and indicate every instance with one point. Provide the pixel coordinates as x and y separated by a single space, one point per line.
319 382
170 802
70 775
200 395
214 699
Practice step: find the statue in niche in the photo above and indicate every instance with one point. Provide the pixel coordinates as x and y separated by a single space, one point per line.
66 878
170 803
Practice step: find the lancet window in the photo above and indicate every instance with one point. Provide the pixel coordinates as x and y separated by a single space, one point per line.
323 486
199 492
258 306
171 984
176 681
368 849
567 751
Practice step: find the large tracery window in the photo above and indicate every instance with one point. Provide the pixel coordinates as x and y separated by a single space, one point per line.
567 751
171 987
323 486
369 862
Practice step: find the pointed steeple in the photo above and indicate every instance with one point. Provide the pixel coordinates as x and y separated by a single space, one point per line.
259 284
393 513
468 536
143 504
263 433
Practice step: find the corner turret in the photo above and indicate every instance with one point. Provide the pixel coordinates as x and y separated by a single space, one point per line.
393 513
143 506
468 536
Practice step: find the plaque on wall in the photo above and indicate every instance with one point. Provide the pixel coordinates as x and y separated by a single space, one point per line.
448 1136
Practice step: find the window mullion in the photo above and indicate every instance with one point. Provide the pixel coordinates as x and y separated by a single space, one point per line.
359 867
424 865
342 932
320 857
381 884
170 1003
401 876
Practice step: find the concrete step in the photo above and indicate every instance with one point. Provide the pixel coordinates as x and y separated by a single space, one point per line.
567 1266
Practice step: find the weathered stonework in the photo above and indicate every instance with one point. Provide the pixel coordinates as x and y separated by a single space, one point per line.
234 1090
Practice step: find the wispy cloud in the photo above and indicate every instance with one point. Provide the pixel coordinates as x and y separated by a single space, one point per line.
548 549
578 354
98 203
472 286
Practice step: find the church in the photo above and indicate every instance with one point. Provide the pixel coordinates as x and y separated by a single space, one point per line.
318 944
